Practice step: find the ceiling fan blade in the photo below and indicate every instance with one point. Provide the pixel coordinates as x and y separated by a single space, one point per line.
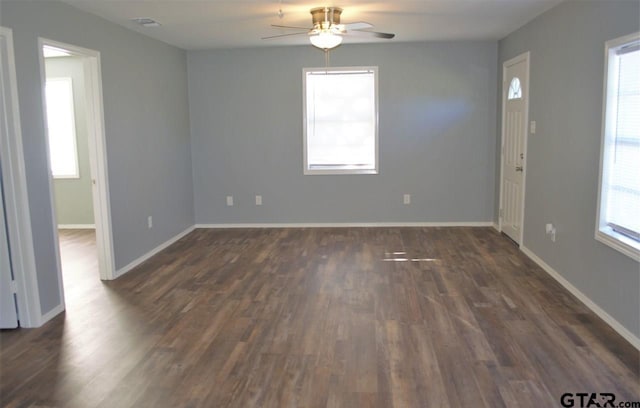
387 36
359 25
296 28
282 35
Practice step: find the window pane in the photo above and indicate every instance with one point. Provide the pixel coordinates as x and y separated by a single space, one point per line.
341 119
515 90
61 126
620 191
623 206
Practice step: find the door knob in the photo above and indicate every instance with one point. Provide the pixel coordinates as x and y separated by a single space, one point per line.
519 168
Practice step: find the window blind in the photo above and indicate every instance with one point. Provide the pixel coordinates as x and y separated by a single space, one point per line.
623 198
341 119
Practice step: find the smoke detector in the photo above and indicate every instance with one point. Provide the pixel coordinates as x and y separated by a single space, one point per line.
146 22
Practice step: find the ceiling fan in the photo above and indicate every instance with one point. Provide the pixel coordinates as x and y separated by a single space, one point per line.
327 32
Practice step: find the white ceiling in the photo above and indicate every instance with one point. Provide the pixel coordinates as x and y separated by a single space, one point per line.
193 25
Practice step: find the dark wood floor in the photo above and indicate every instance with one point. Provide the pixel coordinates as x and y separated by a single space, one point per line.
402 317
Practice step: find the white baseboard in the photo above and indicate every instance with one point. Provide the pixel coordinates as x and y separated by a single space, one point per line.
349 224
496 226
151 253
615 325
51 314
76 226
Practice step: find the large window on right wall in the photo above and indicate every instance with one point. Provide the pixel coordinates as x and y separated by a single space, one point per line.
618 220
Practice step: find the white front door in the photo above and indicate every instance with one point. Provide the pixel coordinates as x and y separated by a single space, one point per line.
515 97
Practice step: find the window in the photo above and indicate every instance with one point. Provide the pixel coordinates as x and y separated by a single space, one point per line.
515 90
618 222
340 120
62 129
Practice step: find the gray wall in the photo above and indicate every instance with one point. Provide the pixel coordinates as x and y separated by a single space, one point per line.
567 69
437 135
146 122
73 201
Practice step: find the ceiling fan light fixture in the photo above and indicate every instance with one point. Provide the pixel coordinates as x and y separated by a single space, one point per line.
327 31
325 40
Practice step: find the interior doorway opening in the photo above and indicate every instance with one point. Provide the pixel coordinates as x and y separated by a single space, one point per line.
68 138
72 95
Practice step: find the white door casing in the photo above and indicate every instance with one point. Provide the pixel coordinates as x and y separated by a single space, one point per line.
515 105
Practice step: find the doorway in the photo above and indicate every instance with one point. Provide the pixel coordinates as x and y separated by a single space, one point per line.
515 117
67 129
72 96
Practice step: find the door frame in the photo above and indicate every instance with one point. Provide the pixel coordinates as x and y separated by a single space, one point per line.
17 200
97 155
526 56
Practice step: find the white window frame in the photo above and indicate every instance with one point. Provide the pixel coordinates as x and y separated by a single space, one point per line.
603 232
76 173
345 169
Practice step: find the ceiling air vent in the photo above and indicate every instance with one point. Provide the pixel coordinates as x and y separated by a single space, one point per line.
146 22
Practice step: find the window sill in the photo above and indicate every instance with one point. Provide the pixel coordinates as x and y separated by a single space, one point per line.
619 242
71 177
338 170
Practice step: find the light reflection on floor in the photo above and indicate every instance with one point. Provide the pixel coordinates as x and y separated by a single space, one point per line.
393 257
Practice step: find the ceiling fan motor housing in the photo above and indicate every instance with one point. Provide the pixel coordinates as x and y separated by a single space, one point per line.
325 17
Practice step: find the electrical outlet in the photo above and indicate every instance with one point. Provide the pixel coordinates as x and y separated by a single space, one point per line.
407 199
258 200
532 127
229 201
149 222
550 229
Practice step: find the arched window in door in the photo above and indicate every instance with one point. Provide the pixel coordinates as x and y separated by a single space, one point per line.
515 90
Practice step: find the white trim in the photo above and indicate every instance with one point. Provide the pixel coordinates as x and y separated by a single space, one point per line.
349 225
52 313
153 252
76 226
17 200
496 226
526 56
97 152
619 242
615 325
604 233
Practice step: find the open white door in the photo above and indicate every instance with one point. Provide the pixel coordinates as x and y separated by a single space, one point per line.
8 308
515 102
8 312
16 243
